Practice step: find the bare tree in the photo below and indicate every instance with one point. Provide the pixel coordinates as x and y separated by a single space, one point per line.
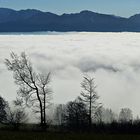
105 115
98 115
59 114
89 96
34 88
45 93
125 115
109 116
16 118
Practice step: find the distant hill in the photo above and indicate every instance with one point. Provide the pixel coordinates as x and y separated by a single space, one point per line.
34 20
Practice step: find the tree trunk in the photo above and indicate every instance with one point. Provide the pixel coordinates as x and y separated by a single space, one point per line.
90 108
90 118
44 109
41 108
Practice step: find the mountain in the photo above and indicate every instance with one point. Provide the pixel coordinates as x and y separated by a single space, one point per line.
35 20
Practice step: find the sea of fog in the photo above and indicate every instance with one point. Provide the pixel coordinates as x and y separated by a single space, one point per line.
112 58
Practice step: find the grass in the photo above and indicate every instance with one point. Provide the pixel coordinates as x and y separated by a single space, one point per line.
6 135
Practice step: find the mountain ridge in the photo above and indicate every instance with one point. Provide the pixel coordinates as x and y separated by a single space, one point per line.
35 20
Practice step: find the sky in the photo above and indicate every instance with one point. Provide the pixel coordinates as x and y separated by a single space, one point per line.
123 8
115 65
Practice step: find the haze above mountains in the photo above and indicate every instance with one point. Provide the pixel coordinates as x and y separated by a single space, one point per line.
34 20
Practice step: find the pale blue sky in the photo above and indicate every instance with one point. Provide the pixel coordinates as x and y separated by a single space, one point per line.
118 7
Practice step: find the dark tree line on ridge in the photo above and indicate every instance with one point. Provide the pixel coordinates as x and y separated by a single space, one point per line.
84 113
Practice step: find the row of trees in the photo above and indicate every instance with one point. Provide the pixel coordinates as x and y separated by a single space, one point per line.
76 110
73 115
35 93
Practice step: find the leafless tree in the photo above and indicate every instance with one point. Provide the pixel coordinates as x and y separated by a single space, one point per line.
109 116
17 117
105 115
34 88
89 96
98 115
59 114
125 115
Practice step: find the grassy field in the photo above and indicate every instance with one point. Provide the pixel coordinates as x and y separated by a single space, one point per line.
57 136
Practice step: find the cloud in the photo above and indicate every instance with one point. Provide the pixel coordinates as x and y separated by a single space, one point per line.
113 57
87 65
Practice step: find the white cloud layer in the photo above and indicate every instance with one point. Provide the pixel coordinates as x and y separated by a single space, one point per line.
114 57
